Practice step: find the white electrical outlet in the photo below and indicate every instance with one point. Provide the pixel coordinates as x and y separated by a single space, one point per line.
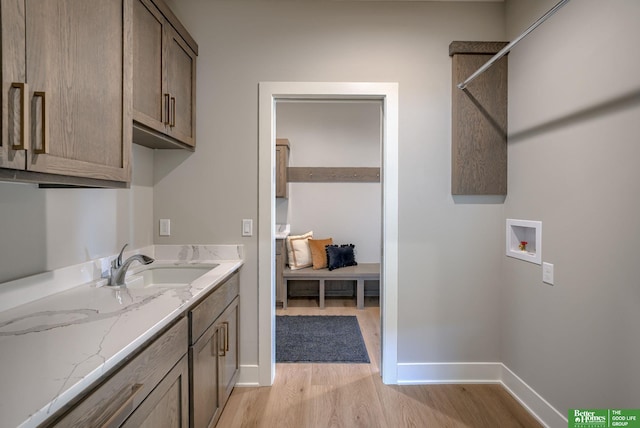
165 227
547 273
247 227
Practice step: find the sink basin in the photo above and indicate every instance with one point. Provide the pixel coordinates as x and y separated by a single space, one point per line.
167 276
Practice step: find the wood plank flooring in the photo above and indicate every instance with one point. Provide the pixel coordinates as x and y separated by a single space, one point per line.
353 395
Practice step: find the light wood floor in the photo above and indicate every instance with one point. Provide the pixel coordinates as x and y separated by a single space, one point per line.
353 395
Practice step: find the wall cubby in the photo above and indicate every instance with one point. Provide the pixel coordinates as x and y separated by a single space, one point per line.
524 240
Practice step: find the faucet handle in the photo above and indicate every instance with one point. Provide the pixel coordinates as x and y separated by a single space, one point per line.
117 262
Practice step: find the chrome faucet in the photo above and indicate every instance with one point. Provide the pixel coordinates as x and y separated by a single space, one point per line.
119 269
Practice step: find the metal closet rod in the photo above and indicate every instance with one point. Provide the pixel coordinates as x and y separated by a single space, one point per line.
510 46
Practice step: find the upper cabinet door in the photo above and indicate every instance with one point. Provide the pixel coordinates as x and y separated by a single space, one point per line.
164 78
150 106
181 78
79 74
15 110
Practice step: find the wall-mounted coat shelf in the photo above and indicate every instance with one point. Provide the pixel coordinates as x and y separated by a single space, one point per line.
479 114
478 121
333 174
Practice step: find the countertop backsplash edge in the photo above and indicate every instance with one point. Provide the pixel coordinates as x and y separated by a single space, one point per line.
31 288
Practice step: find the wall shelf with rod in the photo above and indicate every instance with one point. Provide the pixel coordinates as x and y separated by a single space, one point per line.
479 113
478 121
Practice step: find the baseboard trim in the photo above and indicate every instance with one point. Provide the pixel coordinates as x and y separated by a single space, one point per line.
540 408
249 376
426 373
483 372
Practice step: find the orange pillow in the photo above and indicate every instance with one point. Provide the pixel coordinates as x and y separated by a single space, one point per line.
318 252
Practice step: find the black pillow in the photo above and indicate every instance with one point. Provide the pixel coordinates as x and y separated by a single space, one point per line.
340 256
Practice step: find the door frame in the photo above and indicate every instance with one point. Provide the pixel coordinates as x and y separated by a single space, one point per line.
269 93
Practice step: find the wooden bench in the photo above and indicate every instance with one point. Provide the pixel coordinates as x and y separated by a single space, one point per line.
354 273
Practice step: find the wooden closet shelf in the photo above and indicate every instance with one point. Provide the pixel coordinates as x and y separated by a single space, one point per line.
333 174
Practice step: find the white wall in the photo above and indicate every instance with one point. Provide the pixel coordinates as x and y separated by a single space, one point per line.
45 229
574 128
450 251
333 134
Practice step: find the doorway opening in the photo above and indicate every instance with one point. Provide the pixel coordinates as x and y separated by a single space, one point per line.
331 149
270 93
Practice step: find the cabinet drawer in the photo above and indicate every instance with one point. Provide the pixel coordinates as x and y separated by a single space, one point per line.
168 405
116 399
203 315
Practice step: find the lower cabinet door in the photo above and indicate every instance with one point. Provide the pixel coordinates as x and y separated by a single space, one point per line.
229 362
168 404
205 402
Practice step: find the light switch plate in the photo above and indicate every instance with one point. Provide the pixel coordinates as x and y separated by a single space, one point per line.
247 227
165 227
547 273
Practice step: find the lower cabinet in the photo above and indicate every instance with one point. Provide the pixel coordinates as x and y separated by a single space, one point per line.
228 361
204 372
151 390
213 355
181 379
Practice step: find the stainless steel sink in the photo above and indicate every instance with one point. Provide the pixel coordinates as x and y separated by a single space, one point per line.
167 276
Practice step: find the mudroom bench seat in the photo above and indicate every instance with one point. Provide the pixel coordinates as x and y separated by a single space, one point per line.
358 273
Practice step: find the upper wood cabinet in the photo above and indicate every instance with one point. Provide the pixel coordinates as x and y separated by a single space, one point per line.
66 91
164 78
282 163
478 121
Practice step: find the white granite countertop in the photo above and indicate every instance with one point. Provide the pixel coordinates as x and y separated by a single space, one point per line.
54 348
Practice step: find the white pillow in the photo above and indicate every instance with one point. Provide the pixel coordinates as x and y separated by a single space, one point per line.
298 251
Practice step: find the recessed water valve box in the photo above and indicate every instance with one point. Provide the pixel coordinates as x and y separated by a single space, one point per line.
524 240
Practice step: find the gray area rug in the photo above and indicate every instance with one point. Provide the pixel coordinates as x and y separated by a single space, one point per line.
319 339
